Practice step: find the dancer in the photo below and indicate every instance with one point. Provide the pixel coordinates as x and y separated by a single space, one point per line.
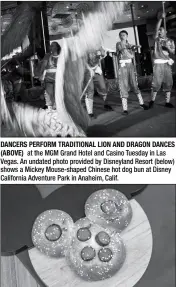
127 73
48 73
95 79
162 71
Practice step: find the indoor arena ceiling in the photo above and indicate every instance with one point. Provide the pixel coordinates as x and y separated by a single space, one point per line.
64 17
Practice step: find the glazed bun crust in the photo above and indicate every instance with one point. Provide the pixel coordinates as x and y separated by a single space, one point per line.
52 232
92 261
110 209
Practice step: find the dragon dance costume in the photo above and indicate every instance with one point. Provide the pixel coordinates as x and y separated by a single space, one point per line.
69 118
28 121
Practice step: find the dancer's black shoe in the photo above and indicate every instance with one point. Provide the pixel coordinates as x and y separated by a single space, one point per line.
108 108
92 116
125 113
151 104
145 107
45 107
169 105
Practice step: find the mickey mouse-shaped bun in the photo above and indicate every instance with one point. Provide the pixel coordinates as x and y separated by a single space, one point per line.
95 253
52 232
109 208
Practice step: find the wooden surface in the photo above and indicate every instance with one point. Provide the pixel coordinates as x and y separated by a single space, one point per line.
14 273
138 240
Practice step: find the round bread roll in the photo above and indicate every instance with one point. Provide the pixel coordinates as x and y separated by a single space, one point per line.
52 232
100 256
109 208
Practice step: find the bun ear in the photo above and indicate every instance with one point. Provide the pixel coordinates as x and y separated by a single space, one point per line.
21 204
